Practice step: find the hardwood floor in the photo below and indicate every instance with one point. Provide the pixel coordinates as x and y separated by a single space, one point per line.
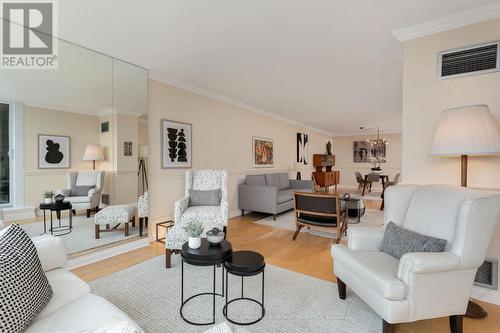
308 255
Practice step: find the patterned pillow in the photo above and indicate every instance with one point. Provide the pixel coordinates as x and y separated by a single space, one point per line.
24 288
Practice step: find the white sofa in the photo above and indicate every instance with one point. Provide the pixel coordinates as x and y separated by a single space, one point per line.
92 200
420 285
73 307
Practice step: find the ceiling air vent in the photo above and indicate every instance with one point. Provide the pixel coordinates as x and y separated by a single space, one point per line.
473 60
487 274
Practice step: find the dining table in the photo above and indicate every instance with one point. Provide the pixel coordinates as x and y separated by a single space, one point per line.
382 176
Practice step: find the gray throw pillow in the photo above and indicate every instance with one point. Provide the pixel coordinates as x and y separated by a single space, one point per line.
397 241
81 191
205 198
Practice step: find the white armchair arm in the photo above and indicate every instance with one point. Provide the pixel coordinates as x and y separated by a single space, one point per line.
51 252
426 262
95 196
364 238
180 207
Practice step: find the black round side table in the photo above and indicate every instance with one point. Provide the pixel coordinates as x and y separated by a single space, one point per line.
244 263
205 255
57 207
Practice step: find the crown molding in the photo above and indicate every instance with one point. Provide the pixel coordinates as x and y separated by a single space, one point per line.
468 17
215 96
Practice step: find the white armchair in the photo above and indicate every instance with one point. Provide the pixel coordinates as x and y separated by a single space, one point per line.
91 199
211 216
420 285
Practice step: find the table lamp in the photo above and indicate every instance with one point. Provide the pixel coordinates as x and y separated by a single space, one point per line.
93 153
465 131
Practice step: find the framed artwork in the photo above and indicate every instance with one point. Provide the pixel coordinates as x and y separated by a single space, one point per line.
176 144
127 148
263 152
302 148
368 152
105 127
53 151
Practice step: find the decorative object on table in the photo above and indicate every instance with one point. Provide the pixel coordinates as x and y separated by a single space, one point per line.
93 152
263 152
204 255
464 131
421 281
370 150
324 176
215 236
60 229
105 127
59 198
302 148
329 148
167 225
48 197
53 151
84 189
213 216
194 230
142 172
127 148
244 264
176 144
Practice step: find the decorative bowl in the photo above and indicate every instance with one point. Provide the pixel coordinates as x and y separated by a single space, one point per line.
59 198
215 236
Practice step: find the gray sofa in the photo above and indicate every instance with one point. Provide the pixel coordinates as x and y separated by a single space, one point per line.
270 193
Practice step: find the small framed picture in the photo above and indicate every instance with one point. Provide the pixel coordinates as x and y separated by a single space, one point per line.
105 127
53 151
127 148
263 152
176 144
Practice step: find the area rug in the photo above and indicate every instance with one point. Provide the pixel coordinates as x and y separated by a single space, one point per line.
372 218
151 296
82 237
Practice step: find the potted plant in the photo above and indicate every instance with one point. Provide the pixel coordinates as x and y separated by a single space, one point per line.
194 230
48 195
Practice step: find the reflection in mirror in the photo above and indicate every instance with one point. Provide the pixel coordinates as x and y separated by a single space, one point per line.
76 131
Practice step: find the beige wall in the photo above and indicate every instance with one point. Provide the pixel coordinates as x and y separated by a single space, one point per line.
82 129
343 150
424 97
222 139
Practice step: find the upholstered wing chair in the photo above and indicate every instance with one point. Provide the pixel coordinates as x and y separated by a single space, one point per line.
211 216
142 208
84 190
420 285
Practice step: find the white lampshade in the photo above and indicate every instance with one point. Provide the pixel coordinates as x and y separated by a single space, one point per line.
467 130
143 151
93 152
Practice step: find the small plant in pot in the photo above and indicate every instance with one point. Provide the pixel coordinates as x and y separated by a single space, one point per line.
48 195
194 230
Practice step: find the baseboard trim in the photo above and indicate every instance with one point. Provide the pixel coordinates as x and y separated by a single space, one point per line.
106 253
13 214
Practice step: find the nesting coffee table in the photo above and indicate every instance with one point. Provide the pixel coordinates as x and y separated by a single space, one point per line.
57 207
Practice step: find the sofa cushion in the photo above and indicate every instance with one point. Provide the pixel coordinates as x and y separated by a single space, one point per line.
87 313
256 180
284 196
380 267
81 190
273 179
66 287
24 286
284 181
205 198
397 241
85 199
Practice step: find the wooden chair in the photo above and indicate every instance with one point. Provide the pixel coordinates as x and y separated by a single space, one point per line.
319 210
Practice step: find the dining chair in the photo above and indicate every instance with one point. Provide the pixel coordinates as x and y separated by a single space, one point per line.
360 180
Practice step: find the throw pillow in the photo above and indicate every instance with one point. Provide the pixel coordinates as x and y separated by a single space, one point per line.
81 191
397 241
25 290
205 198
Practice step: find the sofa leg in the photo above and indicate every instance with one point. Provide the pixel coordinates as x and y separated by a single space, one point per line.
97 231
88 213
133 221
141 225
274 217
168 258
146 221
242 212
342 288
126 229
456 324
388 328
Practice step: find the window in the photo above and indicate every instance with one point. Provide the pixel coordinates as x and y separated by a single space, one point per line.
4 155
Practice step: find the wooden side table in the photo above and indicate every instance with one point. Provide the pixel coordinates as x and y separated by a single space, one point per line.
167 225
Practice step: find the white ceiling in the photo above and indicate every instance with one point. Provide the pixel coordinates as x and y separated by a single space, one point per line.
331 64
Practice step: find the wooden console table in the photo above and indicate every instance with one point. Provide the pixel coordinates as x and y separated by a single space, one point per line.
324 176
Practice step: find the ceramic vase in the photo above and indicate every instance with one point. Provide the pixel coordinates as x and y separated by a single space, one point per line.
194 242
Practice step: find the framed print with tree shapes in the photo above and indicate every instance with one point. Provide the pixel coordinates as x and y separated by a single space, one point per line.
176 144
302 148
263 152
53 151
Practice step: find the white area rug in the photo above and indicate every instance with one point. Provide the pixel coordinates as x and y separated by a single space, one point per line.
151 296
82 237
372 218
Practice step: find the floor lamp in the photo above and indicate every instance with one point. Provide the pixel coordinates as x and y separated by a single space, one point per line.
93 152
465 131
142 173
